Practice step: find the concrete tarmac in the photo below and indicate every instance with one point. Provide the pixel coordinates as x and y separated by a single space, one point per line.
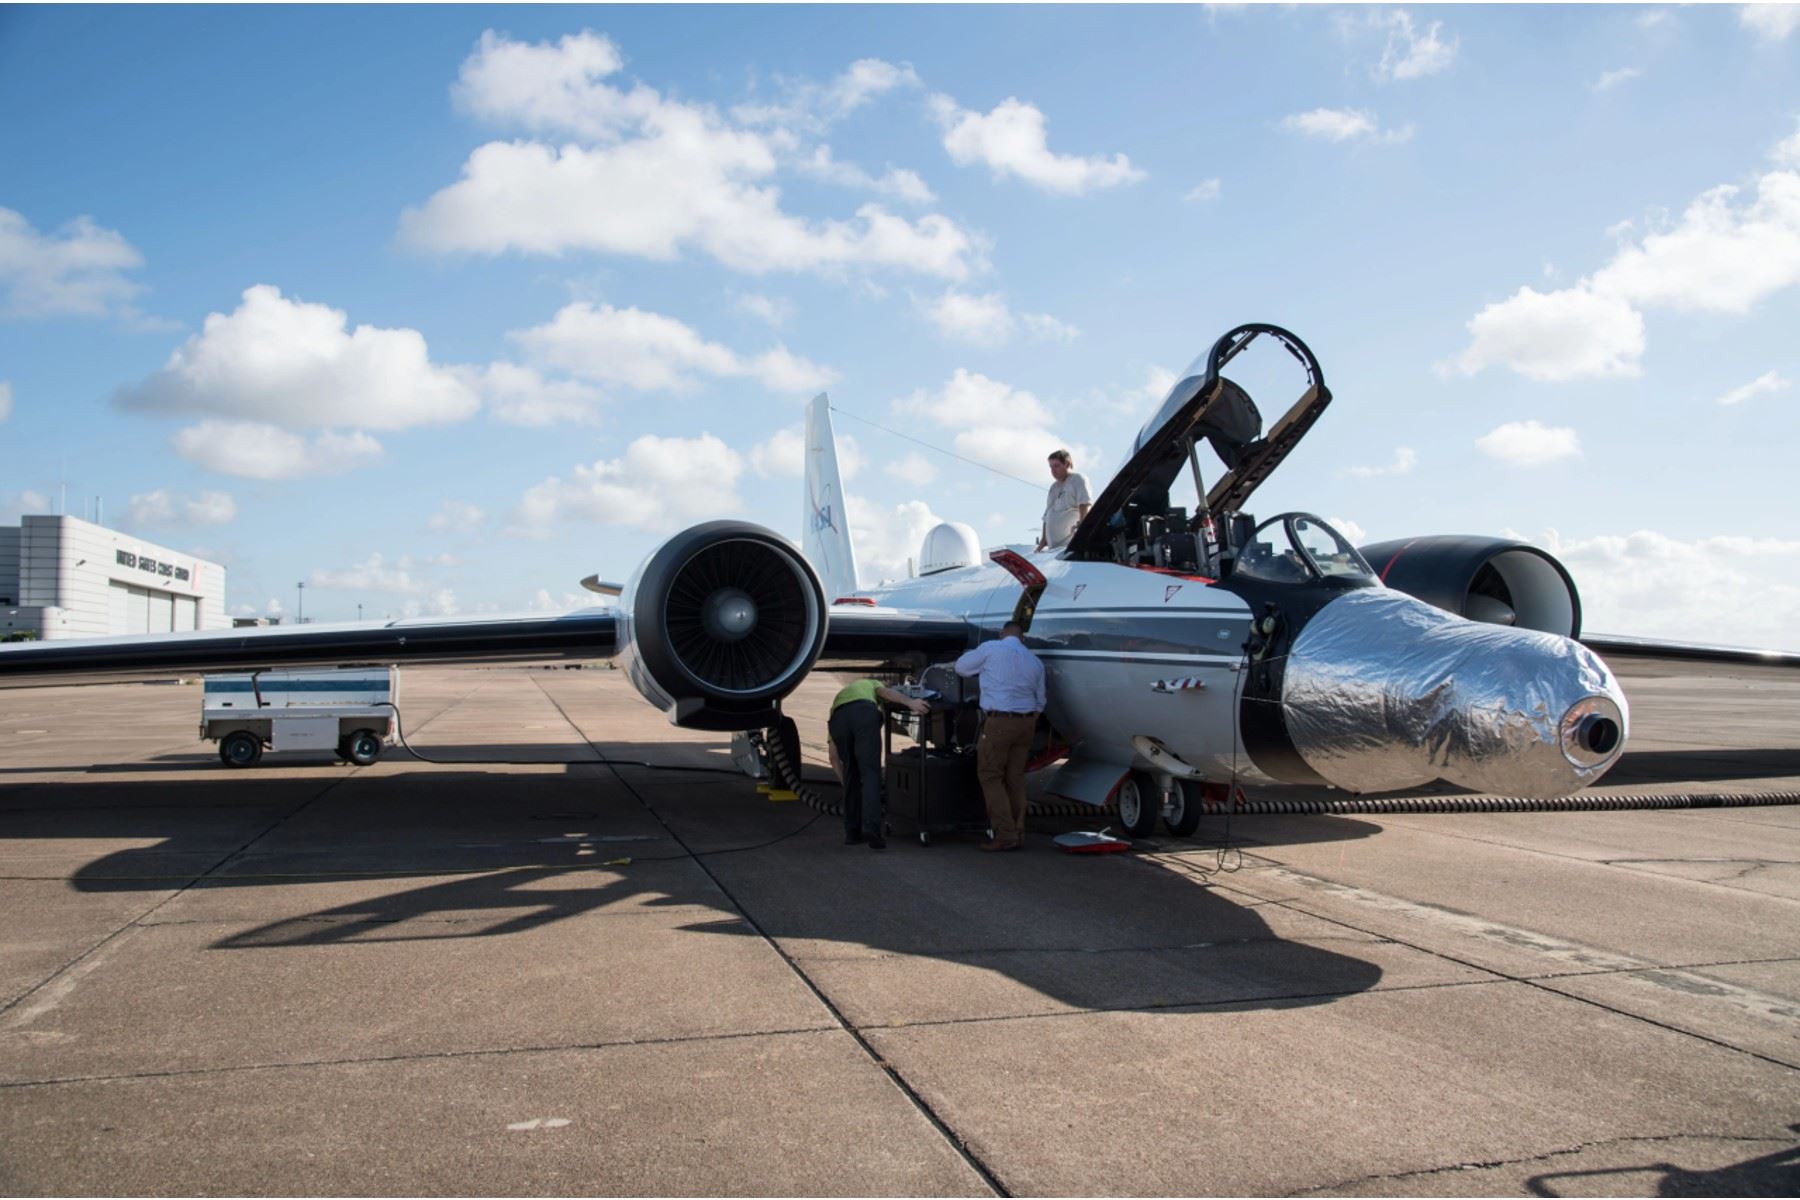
561 975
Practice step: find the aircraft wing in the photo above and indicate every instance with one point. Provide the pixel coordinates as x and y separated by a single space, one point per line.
855 637
1615 647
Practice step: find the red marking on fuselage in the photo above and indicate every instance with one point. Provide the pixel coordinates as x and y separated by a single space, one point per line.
1395 559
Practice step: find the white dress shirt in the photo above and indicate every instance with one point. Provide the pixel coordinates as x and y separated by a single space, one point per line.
1012 678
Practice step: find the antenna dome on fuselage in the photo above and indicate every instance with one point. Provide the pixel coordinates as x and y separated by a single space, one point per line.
949 545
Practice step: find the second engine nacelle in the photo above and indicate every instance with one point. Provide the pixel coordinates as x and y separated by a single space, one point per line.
720 623
1494 580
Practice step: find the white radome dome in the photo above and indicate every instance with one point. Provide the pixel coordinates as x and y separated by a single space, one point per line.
949 545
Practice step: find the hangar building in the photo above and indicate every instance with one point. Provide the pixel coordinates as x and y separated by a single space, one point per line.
62 577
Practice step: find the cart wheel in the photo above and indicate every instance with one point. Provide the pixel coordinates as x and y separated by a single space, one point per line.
1139 805
241 749
1183 815
924 838
362 747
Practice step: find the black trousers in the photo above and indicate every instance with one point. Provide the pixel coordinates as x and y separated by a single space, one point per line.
855 730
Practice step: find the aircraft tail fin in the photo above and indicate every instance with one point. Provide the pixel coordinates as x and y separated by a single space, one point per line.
825 527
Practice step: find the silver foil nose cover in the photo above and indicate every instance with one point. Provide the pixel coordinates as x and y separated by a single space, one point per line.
1383 691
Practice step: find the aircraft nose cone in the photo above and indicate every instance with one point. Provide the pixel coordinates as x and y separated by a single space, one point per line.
1383 691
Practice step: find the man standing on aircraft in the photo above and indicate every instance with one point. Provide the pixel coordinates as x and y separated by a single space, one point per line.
1012 696
855 733
1067 503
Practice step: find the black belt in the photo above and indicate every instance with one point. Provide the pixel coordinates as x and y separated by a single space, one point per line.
995 712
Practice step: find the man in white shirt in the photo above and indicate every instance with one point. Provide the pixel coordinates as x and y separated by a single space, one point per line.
1012 696
1067 504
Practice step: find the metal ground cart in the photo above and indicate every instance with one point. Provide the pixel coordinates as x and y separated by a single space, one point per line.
931 792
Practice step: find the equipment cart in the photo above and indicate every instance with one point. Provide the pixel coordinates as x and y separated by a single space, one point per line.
348 710
931 791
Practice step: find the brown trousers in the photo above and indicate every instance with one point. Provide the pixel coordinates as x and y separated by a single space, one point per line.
1000 765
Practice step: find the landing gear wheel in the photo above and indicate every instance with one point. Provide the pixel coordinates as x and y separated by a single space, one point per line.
362 747
1139 804
240 749
1183 815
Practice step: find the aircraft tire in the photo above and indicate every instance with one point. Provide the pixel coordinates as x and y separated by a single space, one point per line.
362 747
1183 817
1139 804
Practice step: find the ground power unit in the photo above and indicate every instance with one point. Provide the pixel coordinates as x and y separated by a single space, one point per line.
347 711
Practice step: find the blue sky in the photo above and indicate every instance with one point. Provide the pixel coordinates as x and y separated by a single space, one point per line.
443 309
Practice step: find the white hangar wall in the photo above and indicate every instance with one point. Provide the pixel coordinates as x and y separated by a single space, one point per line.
62 577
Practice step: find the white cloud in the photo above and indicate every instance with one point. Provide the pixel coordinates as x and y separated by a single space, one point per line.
1529 443
1555 335
1206 190
1733 590
454 516
1611 79
440 603
1356 533
987 320
1342 125
1768 381
1770 22
1012 140
913 468
1787 150
772 311
17 504
1405 459
658 484
542 601
1004 427
886 538
865 79
80 270
163 507
1723 255
896 182
651 352
373 574
812 106
299 365
6 400
1656 18
252 450
519 395
1138 401
1413 55
656 178
783 455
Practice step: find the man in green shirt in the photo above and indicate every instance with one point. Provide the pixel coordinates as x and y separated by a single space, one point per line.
855 736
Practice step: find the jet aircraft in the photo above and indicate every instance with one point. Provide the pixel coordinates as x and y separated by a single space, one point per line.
1183 649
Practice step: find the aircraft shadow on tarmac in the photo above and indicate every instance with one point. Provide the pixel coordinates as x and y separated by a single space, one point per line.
505 853
1773 1174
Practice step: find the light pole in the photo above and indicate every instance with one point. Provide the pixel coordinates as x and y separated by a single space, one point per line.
300 604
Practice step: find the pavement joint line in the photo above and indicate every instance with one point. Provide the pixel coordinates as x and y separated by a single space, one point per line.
1338 1187
1539 985
7 1014
422 1056
955 1140
1004 951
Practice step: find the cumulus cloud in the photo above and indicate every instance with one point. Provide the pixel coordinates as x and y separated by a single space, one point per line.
1611 79
987 320
165 508
658 484
1770 22
373 574
1529 443
783 455
886 538
1732 590
649 177
896 183
13 505
6 403
772 311
913 468
996 424
1404 460
300 365
1207 189
651 352
805 104
81 270
1012 139
519 395
1725 254
253 450
1342 125
1410 54
454 516
1768 381
1787 150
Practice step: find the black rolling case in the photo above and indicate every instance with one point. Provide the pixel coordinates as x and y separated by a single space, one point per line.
932 792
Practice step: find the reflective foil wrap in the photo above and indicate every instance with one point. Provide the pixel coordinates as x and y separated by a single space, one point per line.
1383 691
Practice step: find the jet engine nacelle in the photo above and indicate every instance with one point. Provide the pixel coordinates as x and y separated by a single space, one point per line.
1493 580
720 623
